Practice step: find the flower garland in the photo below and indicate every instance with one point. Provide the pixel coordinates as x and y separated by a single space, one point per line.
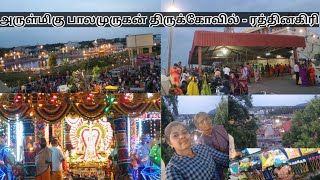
52 114
41 106
89 112
9 112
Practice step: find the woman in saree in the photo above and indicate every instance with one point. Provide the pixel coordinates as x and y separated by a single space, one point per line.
312 75
175 73
256 74
205 90
303 75
270 71
262 70
192 86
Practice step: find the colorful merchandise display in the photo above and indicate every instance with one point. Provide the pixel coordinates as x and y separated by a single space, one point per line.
281 163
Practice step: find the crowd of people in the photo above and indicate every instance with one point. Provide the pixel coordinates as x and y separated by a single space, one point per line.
207 158
214 80
225 80
139 79
49 161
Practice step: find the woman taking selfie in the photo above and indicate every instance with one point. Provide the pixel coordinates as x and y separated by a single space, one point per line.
191 161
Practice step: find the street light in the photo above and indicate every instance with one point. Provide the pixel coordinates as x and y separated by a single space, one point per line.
172 8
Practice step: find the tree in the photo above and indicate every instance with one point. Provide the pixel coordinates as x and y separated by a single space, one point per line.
65 62
95 72
221 115
52 60
240 125
169 110
305 130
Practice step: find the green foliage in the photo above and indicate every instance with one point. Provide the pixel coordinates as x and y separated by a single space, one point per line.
95 72
4 51
241 126
86 44
169 110
305 130
221 115
65 62
12 78
52 60
52 47
156 49
285 110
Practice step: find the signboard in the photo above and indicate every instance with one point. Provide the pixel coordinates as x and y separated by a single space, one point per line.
141 40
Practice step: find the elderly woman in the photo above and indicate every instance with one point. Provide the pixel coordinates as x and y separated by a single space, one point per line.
213 136
191 161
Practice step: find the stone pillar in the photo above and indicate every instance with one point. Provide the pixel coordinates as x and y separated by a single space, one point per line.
295 55
57 131
39 131
121 137
28 135
13 137
200 59
170 49
67 141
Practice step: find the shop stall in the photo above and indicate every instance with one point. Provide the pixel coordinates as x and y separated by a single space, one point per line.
279 163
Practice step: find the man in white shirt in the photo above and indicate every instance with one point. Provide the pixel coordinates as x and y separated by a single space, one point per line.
226 70
142 154
57 158
296 71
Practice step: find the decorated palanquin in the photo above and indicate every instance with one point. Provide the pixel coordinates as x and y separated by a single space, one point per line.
82 122
90 142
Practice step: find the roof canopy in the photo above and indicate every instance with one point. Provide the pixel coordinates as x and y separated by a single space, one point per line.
55 107
221 46
4 88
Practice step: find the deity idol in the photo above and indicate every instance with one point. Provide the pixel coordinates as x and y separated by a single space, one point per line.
91 138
